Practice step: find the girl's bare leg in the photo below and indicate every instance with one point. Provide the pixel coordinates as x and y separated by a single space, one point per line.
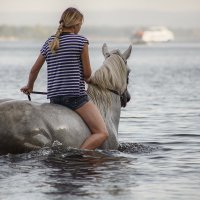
92 117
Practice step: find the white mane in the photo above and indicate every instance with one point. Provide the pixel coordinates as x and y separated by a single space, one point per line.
111 75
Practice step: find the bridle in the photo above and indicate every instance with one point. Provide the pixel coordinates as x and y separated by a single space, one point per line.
123 97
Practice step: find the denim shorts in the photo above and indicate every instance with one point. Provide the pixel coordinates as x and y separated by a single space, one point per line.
70 102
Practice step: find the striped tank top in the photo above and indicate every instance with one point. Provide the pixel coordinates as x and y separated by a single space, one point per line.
64 67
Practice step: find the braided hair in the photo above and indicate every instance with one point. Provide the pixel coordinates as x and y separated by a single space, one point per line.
70 18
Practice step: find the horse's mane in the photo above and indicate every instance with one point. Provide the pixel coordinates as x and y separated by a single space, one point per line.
111 75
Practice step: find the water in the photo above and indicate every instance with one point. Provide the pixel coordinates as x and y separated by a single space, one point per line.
159 132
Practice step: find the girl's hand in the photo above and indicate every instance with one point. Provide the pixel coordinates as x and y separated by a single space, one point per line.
26 89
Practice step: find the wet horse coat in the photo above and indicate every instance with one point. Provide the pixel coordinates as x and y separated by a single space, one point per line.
26 126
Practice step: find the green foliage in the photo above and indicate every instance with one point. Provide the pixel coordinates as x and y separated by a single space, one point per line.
26 32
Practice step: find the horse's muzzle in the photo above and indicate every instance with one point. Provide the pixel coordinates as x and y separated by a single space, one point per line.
125 98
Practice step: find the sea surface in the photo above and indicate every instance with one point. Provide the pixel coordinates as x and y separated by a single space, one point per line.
159 132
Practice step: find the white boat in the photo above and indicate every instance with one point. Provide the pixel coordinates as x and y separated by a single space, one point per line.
153 34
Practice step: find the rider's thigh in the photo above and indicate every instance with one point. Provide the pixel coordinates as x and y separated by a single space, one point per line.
92 117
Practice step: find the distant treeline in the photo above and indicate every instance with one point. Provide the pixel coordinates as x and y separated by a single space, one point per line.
93 33
25 32
41 32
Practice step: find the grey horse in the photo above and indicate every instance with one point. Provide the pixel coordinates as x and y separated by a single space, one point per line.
27 126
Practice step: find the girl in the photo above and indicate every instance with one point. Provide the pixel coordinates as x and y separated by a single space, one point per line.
68 68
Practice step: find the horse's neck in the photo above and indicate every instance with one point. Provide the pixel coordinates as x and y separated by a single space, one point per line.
115 111
112 123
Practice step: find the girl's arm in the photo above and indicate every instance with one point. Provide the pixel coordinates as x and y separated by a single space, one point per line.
86 63
33 74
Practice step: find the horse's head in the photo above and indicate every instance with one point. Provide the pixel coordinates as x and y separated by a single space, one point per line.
124 72
111 78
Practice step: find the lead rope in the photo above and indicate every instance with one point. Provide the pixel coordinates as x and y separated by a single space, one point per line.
29 97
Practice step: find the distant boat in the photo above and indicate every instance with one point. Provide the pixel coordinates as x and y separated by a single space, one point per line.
153 34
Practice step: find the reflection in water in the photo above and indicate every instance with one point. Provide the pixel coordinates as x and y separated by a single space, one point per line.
76 172
58 172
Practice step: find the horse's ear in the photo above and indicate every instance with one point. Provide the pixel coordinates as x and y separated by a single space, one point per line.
105 51
127 53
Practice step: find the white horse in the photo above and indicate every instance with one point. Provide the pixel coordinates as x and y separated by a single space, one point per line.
26 125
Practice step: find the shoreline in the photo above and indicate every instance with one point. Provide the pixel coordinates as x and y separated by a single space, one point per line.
113 34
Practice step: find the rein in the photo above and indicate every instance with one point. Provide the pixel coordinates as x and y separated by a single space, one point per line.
45 93
35 92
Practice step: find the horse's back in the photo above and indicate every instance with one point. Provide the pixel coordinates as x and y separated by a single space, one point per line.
27 125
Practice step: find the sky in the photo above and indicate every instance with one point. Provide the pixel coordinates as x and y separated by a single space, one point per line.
174 13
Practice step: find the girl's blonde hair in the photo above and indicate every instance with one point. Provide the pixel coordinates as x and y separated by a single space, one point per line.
70 18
